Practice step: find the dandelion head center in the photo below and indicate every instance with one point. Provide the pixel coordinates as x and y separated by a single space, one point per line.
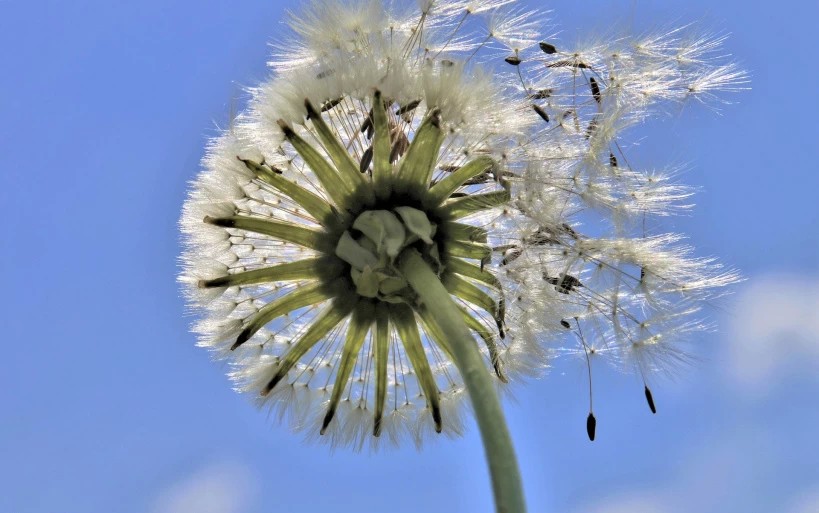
375 242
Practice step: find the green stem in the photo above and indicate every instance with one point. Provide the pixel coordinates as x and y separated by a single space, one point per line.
503 467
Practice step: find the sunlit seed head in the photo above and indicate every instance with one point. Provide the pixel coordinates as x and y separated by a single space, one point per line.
463 131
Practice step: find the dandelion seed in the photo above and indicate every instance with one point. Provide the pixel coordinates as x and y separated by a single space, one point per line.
380 140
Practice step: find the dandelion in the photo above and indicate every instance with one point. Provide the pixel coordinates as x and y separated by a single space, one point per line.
406 214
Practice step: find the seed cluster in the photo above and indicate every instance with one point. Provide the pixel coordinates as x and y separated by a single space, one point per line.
380 134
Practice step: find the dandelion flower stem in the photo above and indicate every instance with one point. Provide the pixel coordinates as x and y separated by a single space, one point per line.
503 466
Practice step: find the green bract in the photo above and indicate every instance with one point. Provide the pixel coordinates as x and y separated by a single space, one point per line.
369 221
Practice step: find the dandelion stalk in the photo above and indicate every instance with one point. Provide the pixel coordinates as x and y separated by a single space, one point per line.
500 454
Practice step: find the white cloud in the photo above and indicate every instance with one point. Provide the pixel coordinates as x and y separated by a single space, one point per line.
776 325
773 334
632 503
225 487
807 503
719 474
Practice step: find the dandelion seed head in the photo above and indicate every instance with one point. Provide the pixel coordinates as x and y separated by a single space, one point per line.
386 129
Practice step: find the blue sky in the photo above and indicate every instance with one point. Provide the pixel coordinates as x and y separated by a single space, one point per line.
108 406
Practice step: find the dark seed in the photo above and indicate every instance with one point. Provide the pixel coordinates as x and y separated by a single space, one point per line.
541 94
510 255
367 125
541 113
548 48
565 323
595 90
411 106
565 284
366 159
327 419
612 160
514 60
242 338
650 400
568 64
540 237
591 128
591 426
436 418
568 229
272 384
330 104
399 146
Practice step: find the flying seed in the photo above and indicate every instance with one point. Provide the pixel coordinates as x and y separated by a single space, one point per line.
595 90
540 237
541 113
541 94
547 48
565 284
514 60
568 229
568 64
510 255
591 128
650 400
565 323
591 426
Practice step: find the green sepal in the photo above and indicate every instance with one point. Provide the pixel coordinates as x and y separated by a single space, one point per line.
288 232
318 329
466 205
439 192
456 265
366 282
456 248
404 320
432 329
307 295
472 294
315 205
383 228
417 223
349 250
389 285
321 268
382 344
416 167
360 323
478 327
340 191
347 169
464 232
